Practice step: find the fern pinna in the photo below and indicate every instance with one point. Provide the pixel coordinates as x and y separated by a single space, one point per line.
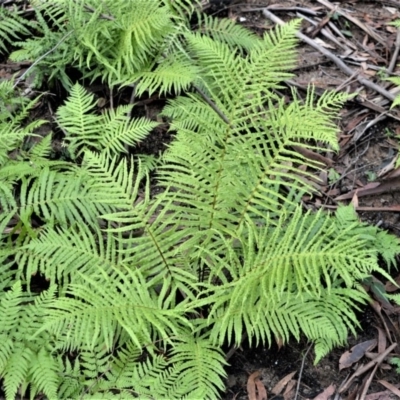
144 288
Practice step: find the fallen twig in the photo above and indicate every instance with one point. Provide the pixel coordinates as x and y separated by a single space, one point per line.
355 21
345 68
301 372
395 53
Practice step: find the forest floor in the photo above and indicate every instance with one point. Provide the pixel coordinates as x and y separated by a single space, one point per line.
348 42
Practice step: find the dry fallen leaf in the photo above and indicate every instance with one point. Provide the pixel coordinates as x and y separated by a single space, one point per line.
382 340
327 393
391 387
386 395
354 200
282 383
356 353
290 390
255 388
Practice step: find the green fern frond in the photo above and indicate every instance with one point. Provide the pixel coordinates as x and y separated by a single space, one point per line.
241 147
225 30
396 81
110 132
61 197
120 131
16 370
86 317
199 366
124 370
23 360
173 75
123 42
45 374
59 255
12 27
12 134
71 383
145 285
42 149
10 100
182 9
51 47
77 118
271 295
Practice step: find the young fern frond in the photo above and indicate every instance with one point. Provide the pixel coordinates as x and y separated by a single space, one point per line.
110 39
60 255
124 40
198 365
110 132
129 310
12 134
225 30
175 74
51 47
12 27
21 358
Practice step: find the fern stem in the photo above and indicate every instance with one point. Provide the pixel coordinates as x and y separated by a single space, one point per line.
212 105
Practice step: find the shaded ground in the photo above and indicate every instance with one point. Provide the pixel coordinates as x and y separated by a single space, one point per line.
362 172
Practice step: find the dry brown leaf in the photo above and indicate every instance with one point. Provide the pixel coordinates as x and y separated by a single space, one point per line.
255 389
279 342
390 287
386 395
261 391
289 391
354 200
382 340
251 385
391 387
356 353
328 392
282 383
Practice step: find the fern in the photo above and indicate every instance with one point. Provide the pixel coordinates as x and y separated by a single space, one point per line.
145 286
110 132
12 27
109 39
24 360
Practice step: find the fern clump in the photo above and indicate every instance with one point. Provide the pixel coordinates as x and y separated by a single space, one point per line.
110 39
12 27
144 287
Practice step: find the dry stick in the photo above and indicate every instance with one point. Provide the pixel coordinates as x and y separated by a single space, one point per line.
301 372
340 34
395 53
390 2
233 349
355 21
367 383
323 31
346 69
279 8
